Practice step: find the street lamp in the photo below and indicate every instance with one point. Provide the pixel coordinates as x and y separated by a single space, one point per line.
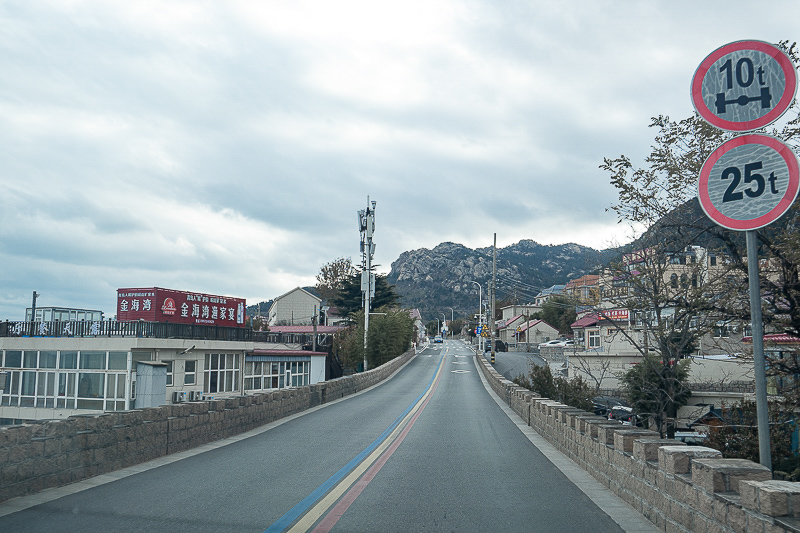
452 319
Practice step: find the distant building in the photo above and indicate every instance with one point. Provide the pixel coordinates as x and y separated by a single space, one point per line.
66 363
63 314
295 308
511 311
548 293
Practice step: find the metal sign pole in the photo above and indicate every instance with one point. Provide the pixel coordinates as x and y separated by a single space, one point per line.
762 413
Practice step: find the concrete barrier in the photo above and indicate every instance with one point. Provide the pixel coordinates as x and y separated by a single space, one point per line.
677 487
52 453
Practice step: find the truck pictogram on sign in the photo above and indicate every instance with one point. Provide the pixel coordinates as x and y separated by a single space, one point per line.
744 85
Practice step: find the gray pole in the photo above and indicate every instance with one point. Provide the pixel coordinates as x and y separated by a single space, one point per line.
452 319
494 296
314 323
367 226
762 413
480 312
33 313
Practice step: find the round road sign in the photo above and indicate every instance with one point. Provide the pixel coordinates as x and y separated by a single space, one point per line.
744 85
749 182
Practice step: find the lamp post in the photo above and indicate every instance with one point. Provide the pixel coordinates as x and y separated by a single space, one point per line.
452 319
480 310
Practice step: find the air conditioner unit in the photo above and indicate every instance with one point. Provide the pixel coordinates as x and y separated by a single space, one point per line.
196 396
178 397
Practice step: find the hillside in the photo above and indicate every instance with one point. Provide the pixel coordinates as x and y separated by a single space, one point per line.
434 280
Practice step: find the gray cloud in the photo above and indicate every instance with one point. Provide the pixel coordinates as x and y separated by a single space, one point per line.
225 148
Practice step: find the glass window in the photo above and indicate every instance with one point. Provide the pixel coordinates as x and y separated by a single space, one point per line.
28 383
90 385
68 360
594 338
93 360
29 359
117 360
169 373
14 359
47 359
189 372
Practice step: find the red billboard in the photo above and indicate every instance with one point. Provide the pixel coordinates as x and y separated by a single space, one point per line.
166 305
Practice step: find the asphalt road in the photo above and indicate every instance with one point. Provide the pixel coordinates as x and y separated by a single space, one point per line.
427 450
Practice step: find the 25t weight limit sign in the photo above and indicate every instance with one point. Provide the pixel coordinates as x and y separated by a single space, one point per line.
749 182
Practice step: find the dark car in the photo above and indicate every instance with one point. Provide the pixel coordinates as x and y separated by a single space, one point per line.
501 346
604 404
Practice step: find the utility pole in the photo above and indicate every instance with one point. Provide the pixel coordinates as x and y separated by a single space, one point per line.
366 225
33 313
494 296
314 323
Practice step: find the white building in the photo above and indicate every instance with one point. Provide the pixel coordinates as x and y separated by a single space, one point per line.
295 308
101 366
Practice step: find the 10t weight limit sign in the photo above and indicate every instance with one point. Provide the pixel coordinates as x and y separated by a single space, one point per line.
749 182
744 86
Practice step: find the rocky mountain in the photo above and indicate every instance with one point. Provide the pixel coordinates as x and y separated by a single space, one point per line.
435 280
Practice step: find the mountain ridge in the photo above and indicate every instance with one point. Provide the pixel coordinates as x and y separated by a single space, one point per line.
436 280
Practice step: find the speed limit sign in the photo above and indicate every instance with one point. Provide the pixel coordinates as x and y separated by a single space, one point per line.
749 182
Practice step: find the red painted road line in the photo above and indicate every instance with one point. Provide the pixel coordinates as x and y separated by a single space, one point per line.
333 516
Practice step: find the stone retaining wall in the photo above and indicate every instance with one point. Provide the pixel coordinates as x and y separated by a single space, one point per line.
677 487
51 453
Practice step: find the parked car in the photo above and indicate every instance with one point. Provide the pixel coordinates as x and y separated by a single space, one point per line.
603 404
625 415
501 346
554 342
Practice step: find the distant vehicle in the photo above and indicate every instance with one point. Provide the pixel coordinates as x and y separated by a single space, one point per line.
501 346
438 338
557 342
604 404
554 342
625 415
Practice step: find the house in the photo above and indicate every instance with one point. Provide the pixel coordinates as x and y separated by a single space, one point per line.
419 327
506 329
510 311
585 290
533 332
546 294
295 308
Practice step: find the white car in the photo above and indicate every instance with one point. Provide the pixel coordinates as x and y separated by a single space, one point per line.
556 342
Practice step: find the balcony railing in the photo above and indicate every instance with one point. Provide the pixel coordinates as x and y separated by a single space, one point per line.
158 330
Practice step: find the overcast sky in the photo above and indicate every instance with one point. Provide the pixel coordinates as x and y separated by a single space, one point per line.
225 147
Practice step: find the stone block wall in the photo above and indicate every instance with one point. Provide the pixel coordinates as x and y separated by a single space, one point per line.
678 488
52 453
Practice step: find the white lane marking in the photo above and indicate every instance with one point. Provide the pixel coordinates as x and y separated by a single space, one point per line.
460 371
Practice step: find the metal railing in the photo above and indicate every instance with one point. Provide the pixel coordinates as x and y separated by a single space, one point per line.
158 330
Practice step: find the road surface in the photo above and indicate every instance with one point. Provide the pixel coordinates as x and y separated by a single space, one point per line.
428 450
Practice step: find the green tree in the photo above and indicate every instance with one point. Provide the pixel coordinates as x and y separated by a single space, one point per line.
390 335
559 312
656 388
349 299
737 436
658 201
332 277
575 392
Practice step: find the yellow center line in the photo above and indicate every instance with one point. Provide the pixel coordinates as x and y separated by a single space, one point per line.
315 513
